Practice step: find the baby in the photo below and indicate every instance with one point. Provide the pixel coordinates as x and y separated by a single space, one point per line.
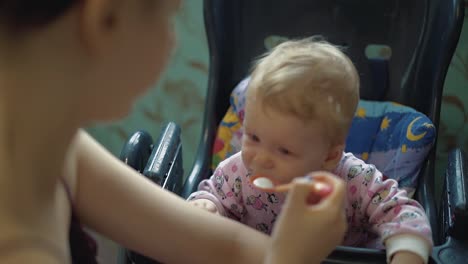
301 100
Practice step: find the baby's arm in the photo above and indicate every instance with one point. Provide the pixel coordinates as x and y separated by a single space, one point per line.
217 194
208 195
399 221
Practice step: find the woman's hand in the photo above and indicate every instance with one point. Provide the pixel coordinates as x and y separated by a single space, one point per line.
308 233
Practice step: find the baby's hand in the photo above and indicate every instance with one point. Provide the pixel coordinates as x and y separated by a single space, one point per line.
406 257
205 204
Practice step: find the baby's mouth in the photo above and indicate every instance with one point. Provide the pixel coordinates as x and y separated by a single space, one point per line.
270 176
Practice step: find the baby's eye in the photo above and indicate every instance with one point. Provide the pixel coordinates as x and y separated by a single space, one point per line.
254 138
284 151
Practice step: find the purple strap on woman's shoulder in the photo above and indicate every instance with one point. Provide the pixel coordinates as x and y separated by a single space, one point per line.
82 246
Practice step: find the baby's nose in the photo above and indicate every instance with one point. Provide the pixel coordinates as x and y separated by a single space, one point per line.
263 161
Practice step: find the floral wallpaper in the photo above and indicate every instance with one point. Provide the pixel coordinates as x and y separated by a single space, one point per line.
179 96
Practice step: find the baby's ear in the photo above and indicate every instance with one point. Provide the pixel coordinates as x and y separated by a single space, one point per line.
334 156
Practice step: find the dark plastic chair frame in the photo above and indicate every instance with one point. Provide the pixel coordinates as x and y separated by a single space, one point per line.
420 87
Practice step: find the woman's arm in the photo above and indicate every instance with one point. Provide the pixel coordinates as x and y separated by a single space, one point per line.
33 253
116 201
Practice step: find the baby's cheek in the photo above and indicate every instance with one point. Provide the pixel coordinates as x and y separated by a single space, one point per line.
288 172
300 169
246 156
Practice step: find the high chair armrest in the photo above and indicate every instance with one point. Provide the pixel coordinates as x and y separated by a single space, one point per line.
160 162
201 168
164 166
137 149
454 207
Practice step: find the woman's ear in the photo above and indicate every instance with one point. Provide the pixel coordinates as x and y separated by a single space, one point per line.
334 156
98 20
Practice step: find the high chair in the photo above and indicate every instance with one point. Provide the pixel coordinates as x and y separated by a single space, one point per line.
402 50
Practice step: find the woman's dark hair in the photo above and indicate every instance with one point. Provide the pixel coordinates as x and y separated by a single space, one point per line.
20 15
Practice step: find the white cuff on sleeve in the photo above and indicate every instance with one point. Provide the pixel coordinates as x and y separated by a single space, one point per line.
410 243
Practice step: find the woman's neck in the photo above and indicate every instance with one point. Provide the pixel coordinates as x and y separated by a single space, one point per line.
34 142
40 104
35 133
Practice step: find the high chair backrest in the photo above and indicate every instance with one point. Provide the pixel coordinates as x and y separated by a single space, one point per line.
401 48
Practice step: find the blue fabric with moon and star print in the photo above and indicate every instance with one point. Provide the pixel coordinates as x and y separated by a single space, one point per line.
393 137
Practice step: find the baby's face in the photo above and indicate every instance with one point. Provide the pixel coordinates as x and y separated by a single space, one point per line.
280 145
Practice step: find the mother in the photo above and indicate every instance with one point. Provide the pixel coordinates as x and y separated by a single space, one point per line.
65 64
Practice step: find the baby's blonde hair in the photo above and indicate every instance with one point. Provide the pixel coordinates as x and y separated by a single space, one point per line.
311 79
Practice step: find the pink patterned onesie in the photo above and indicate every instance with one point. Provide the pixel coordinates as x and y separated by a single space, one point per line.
376 209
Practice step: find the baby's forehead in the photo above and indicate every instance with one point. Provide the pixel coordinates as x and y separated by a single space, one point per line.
307 136
260 115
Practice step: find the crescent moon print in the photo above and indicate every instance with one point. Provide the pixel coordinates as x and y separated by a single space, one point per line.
409 133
